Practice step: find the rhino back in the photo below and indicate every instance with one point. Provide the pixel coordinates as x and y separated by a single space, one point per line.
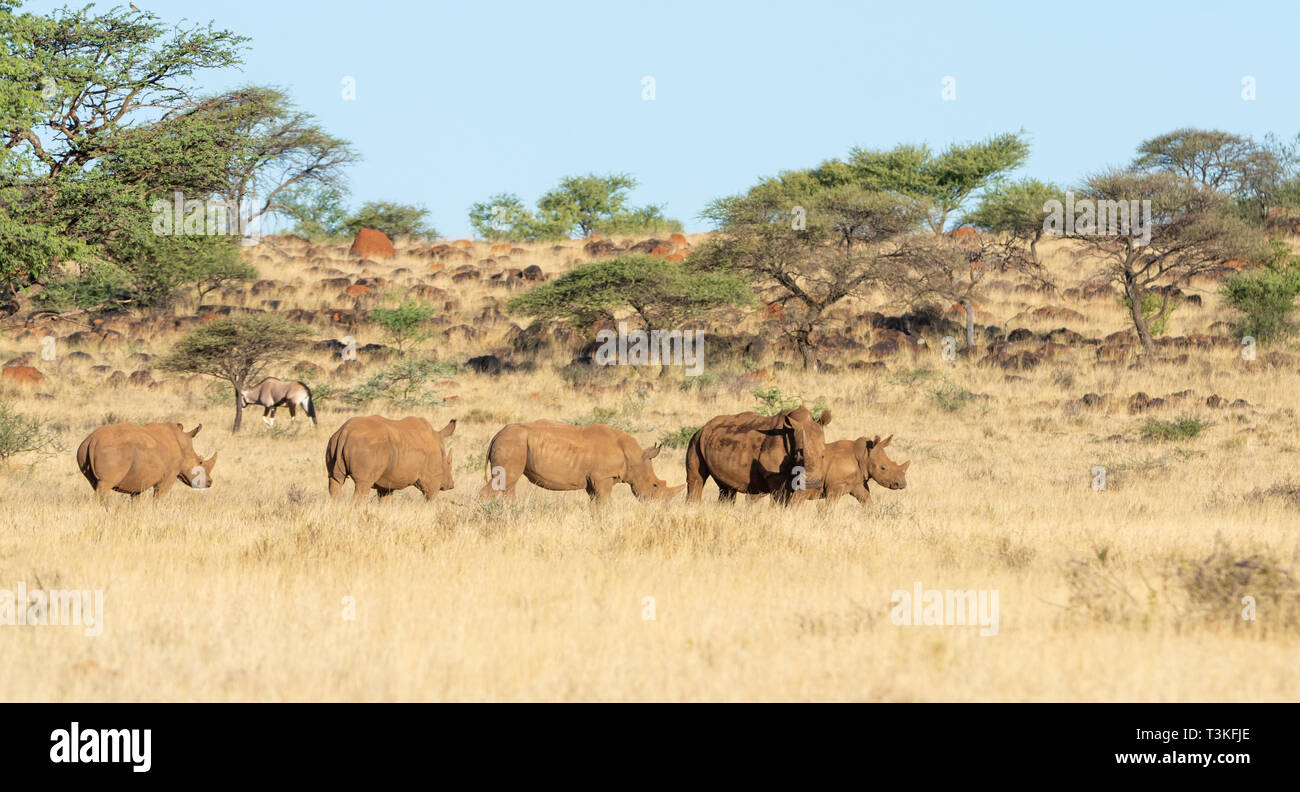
138 456
562 456
842 464
733 444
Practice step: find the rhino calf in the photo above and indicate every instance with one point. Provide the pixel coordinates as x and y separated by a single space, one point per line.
560 456
131 459
385 455
852 464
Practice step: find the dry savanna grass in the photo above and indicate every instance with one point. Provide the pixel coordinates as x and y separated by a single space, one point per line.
263 589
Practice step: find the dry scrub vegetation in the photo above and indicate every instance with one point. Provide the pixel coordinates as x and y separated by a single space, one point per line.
238 593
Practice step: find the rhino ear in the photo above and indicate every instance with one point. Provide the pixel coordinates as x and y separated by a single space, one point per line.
884 442
449 429
650 453
825 418
869 444
193 432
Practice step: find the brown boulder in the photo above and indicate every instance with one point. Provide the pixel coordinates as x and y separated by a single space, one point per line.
371 244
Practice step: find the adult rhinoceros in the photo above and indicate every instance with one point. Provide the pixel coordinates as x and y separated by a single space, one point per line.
758 454
560 456
385 455
130 458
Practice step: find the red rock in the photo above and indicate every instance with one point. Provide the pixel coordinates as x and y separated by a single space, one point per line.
22 375
371 244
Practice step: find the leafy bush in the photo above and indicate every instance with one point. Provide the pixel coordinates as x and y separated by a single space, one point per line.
772 401
1184 428
394 219
679 438
407 323
94 285
1157 319
406 383
20 434
1266 297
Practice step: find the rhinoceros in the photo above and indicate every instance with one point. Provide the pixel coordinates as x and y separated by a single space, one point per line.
130 458
560 456
385 455
851 464
758 454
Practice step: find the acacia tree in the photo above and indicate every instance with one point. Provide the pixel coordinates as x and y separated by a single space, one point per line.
273 149
1015 212
107 119
942 182
1220 161
237 349
663 294
807 247
1192 231
928 266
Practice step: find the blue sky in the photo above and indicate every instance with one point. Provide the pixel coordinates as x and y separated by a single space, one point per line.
458 101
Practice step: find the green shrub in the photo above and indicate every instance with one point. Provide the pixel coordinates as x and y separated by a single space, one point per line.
1265 298
407 383
406 324
679 438
21 434
1184 428
1157 319
94 285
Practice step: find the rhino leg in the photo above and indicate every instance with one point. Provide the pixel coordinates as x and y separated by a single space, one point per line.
600 489
336 486
383 493
361 489
161 489
503 475
103 487
725 494
696 472
427 492
862 494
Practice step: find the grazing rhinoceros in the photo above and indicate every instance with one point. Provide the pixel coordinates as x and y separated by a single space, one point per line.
131 459
560 456
386 455
851 464
758 454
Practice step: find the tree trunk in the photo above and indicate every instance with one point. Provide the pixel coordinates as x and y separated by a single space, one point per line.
970 322
239 408
1135 296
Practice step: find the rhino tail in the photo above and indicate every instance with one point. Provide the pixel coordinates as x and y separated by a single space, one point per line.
334 464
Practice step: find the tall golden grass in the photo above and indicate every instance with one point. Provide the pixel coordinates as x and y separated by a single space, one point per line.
263 589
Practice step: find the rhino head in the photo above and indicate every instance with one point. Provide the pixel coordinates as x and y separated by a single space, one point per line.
445 433
808 443
878 467
195 472
645 484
